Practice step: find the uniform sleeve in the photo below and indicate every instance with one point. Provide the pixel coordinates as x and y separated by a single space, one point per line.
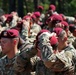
72 50
46 52
58 62
24 34
47 56
1 68
23 59
29 51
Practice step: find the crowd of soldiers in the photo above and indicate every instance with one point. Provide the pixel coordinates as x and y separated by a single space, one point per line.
38 44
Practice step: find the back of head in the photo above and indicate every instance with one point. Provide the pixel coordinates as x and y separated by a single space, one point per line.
65 25
40 8
72 28
52 7
37 14
60 33
55 19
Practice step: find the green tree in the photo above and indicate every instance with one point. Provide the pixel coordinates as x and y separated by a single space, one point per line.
68 7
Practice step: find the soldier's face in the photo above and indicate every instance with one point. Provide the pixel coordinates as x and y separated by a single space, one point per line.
6 45
74 33
60 41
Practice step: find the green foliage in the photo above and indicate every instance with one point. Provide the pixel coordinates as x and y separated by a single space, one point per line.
1 3
30 6
69 6
45 7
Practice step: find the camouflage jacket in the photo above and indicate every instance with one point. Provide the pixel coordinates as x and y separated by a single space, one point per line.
24 34
70 51
6 66
74 43
23 64
59 62
41 69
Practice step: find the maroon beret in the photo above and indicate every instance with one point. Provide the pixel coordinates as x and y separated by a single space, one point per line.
40 7
42 31
33 17
9 18
64 23
49 20
52 7
62 15
26 17
72 28
6 15
53 40
37 14
11 33
58 31
56 17
19 24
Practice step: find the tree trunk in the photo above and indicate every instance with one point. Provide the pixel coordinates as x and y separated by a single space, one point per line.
5 5
43 1
53 2
12 5
26 6
60 6
36 3
20 8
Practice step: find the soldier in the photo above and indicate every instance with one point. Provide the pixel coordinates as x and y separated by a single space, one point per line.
28 57
56 61
53 21
34 29
40 9
9 43
26 60
72 29
64 46
41 69
51 10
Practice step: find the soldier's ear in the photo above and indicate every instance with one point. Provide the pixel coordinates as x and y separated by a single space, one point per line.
14 42
65 39
74 33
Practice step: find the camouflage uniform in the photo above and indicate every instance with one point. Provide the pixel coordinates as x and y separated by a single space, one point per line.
71 38
74 43
6 66
41 69
29 63
43 39
25 60
71 52
24 34
34 61
34 30
7 62
59 63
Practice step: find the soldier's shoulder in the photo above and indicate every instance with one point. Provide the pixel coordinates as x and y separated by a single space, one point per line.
70 47
3 57
26 47
2 60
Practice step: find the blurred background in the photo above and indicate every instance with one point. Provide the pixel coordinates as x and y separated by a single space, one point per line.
67 7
